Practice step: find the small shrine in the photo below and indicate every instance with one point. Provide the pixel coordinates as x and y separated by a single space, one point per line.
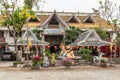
90 39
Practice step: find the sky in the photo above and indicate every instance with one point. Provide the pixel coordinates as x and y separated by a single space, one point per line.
71 5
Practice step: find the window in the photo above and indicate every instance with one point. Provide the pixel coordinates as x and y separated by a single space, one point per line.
1 33
36 19
89 19
73 20
19 34
53 21
33 20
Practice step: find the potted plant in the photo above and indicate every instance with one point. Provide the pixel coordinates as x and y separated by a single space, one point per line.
67 62
47 52
103 63
17 63
36 62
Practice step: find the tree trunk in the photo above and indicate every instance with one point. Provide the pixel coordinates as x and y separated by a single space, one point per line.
116 41
16 49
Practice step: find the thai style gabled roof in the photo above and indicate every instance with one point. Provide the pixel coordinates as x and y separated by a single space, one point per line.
74 17
89 38
31 36
63 17
89 17
59 19
36 17
29 33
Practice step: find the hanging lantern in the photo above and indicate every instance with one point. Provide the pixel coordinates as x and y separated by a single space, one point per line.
36 46
63 32
23 46
77 47
83 46
88 47
48 47
73 47
118 46
42 46
55 47
94 47
6 46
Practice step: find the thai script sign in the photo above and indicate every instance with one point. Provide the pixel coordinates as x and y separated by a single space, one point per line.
53 31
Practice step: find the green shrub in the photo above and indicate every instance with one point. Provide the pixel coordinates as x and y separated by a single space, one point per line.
17 62
103 61
85 54
47 52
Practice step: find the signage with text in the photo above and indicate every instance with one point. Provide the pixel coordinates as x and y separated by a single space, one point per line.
53 31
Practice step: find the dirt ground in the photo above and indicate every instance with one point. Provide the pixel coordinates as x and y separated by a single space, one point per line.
82 72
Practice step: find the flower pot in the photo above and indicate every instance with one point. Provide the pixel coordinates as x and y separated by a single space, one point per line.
36 67
67 67
103 65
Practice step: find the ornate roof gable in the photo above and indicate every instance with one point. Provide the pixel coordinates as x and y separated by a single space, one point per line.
73 18
36 19
57 17
89 19
89 38
30 35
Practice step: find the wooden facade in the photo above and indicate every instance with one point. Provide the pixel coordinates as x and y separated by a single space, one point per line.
59 21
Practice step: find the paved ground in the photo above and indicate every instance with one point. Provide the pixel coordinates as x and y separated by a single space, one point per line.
58 73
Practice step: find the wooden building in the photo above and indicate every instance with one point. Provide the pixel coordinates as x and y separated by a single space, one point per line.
53 25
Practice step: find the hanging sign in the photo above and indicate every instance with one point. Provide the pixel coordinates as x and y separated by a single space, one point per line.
53 31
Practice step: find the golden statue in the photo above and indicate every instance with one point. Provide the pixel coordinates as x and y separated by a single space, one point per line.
70 52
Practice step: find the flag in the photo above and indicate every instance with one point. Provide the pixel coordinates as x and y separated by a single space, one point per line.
29 44
111 44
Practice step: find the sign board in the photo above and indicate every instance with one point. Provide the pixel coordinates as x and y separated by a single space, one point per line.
53 31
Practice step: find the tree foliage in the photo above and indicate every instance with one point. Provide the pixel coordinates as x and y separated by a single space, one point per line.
37 33
33 3
102 33
71 35
110 11
15 16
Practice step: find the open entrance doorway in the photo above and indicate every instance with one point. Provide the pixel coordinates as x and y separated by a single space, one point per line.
94 51
54 49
